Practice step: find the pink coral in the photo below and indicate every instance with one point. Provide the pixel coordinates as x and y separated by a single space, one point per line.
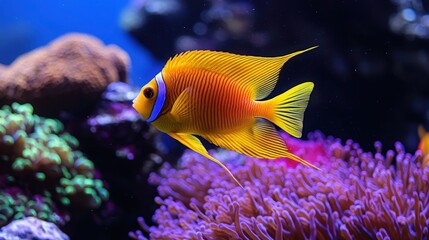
312 151
359 195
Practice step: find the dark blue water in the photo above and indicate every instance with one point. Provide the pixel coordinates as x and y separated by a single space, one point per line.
26 25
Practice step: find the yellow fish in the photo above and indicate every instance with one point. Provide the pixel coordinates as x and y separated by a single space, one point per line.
218 96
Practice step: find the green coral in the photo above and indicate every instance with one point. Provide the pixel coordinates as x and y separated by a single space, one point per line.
38 154
15 206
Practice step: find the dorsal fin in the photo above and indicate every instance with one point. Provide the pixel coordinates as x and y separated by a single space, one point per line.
258 74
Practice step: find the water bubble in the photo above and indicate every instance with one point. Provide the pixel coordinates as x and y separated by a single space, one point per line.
409 14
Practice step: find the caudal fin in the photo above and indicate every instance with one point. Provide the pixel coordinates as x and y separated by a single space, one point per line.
289 108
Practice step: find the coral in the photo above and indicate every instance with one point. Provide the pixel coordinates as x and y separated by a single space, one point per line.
115 127
125 150
359 195
68 74
38 156
32 228
14 204
312 151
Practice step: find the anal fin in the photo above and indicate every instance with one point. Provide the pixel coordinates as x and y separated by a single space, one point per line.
195 144
260 141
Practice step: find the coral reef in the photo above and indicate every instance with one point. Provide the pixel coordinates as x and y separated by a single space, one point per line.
37 156
312 151
125 150
14 204
358 195
117 126
51 77
32 228
114 127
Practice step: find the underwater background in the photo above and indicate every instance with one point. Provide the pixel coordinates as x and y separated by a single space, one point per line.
75 153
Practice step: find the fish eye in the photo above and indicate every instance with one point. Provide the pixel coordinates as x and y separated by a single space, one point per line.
148 92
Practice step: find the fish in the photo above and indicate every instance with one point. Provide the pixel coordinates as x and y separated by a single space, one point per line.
423 144
220 97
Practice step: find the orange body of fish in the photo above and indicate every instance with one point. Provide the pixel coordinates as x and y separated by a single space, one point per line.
424 145
219 96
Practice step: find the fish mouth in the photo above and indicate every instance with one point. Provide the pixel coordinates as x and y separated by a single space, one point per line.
134 104
137 105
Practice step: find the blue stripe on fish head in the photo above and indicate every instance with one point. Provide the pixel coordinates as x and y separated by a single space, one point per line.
160 99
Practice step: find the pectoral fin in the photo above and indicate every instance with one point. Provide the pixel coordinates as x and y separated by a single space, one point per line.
181 109
195 144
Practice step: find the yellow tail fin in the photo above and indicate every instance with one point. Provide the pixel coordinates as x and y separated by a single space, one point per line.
289 108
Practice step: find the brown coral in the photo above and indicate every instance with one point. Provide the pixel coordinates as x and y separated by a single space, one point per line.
68 74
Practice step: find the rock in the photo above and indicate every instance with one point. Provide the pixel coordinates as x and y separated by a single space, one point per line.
31 228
